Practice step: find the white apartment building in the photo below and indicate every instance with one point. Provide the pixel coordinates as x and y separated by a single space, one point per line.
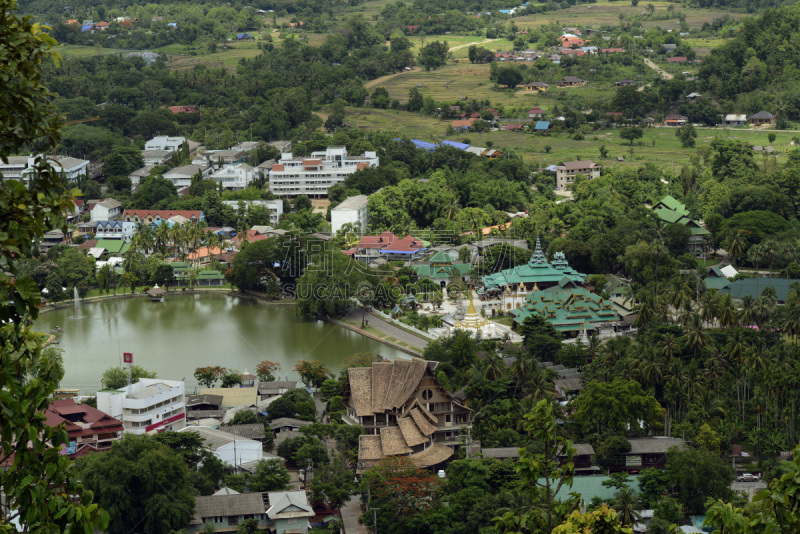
115 230
315 175
156 157
235 177
567 171
351 210
182 176
149 404
275 207
106 210
162 142
21 167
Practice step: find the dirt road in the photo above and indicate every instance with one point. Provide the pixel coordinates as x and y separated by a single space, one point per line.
659 70
459 47
377 81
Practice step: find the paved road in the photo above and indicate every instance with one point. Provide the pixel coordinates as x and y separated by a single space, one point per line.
459 47
751 488
350 513
387 329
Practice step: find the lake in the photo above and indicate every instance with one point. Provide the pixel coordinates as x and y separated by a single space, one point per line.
184 332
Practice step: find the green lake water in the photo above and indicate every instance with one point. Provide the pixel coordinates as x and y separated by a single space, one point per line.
184 332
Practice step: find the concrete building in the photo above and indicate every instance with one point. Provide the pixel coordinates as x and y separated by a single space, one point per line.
275 207
235 177
21 167
162 142
351 210
231 449
149 404
567 171
315 175
182 176
106 210
156 157
114 230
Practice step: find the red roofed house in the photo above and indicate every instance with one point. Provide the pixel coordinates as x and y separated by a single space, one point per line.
572 42
412 29
386 245
536 113
462 125
675 120
151 216
611 50
89 429
185 109
511 126
573 52
679 59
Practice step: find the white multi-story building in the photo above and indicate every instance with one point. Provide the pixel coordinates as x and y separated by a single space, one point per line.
235 177
156 157
115 230
351 210
275 207
21 167
162 142
182 176
106 210
315 175
149 404
567 171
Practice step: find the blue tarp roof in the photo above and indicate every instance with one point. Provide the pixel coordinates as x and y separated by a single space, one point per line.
455 144
86 27
424 145
243 35
542 125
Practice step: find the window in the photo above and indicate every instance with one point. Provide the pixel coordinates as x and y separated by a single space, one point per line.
427 394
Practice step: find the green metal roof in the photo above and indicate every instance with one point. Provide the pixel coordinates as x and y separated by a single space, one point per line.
441 257
568 310
114 246
441 272
716 282
670 203
591 487
210 274
755 287
537 270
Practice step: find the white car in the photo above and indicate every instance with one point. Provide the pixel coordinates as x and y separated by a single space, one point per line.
748 477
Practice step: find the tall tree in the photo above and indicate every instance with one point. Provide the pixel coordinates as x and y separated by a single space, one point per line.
41 489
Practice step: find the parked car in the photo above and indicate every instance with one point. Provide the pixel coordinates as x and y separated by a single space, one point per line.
747 477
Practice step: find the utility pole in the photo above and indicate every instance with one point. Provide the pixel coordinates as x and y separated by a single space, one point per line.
375 518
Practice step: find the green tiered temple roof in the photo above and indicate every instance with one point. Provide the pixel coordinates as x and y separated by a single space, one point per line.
440 266
568 310
537 271
670 210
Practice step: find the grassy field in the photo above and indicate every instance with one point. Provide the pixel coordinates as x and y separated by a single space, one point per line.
69 51
666 152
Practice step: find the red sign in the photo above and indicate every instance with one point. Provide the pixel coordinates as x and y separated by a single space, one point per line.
165 422
127 357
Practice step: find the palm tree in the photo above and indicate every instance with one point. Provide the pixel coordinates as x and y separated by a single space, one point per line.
649 368
494 367
626 503
669 347
736 244
727 311
708 307
747 314
756 256
696 336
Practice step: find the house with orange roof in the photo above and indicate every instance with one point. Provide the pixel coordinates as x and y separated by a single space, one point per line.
462 124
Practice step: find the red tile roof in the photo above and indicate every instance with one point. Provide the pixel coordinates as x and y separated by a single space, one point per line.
407 244
162 214
679 59
184 109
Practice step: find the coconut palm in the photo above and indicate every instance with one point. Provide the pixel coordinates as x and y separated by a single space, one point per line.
727 311
669 347
626 503
747 313
494 367
696 336
736 244
756 256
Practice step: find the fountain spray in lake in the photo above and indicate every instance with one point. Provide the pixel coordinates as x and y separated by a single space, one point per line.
76 311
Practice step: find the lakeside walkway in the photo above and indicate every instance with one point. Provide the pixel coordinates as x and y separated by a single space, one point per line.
385 330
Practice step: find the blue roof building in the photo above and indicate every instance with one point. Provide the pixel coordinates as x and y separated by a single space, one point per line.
424 145
455 144
541 126
244 36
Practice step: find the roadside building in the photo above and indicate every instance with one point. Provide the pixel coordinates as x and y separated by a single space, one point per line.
313 176
149 404
567 171
353 210
88 429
